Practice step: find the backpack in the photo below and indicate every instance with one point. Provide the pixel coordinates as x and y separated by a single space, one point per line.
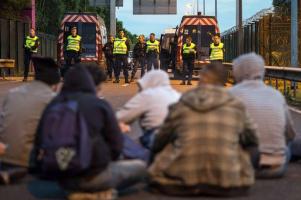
65 144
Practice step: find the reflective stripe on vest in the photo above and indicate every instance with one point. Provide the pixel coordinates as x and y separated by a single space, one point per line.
31 42
152 46
217 52
189 49
120 46
73 43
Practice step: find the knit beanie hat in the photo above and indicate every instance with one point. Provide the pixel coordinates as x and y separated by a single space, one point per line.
46 70
248 67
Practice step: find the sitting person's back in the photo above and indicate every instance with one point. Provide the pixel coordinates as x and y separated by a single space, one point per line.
104 171
268 109
150 105
200 147
22 109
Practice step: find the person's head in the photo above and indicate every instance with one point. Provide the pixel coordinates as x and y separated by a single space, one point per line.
98 76
111 38
152 37
216 38
78 79
188 40
47 71
74 31
153 79
141 38
213 74
121 34
248 67
32 32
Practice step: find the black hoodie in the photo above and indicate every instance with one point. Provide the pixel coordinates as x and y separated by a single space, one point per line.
100 118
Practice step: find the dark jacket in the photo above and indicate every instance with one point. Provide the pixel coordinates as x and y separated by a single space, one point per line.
139 50
108 50
100 118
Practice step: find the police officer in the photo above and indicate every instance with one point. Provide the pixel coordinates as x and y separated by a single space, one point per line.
139 54
188 55
120 52
108 50
152 52
31 45
216 49
73 49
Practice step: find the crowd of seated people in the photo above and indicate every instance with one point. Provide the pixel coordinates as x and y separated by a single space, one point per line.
210 140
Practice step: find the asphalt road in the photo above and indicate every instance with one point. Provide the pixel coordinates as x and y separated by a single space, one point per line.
288 188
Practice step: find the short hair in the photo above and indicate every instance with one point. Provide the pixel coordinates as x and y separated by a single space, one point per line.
218 70
217 35
153 34
74 27
98 75
47 70
189 37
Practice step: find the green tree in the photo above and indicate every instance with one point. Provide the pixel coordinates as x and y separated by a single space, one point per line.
12 9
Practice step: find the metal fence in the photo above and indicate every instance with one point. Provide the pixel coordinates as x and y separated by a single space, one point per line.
266 33
12 34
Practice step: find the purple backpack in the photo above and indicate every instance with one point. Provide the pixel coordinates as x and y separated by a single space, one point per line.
65 143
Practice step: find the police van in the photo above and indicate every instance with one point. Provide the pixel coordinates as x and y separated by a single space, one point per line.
91 28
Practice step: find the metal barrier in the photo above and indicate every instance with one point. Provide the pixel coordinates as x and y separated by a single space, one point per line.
285 79
12 34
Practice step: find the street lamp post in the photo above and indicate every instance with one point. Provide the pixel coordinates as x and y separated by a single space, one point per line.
204 7
239 26
113 17
294 33
216 9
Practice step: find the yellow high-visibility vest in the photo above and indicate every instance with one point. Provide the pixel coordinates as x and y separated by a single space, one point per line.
189 49
217 52
120 46
152 46
74 43
31 42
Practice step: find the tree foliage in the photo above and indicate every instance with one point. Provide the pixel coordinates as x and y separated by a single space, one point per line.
12 9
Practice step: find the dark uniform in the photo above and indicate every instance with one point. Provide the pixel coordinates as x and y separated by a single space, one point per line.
188 55
73 51
139 55
108 50
152 53
31 45
120 52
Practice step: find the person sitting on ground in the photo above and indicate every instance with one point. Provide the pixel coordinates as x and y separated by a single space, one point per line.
269 110
150 104
22 109
104 171
202 147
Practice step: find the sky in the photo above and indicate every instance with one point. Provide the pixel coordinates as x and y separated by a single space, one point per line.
145 24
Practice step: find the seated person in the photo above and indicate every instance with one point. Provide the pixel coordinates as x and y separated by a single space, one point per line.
105 171
269 111
22 109
150 104
202 147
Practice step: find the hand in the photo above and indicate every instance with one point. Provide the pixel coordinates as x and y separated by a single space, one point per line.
124 127
2 148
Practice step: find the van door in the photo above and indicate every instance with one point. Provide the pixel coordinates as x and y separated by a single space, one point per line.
88 40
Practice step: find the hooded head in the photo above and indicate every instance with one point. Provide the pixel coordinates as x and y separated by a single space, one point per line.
78 79
248 67
47 70
153 79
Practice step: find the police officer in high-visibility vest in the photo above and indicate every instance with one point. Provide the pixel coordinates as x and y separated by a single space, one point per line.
216 49
120 52
152 52
73 49
188 54
31 45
